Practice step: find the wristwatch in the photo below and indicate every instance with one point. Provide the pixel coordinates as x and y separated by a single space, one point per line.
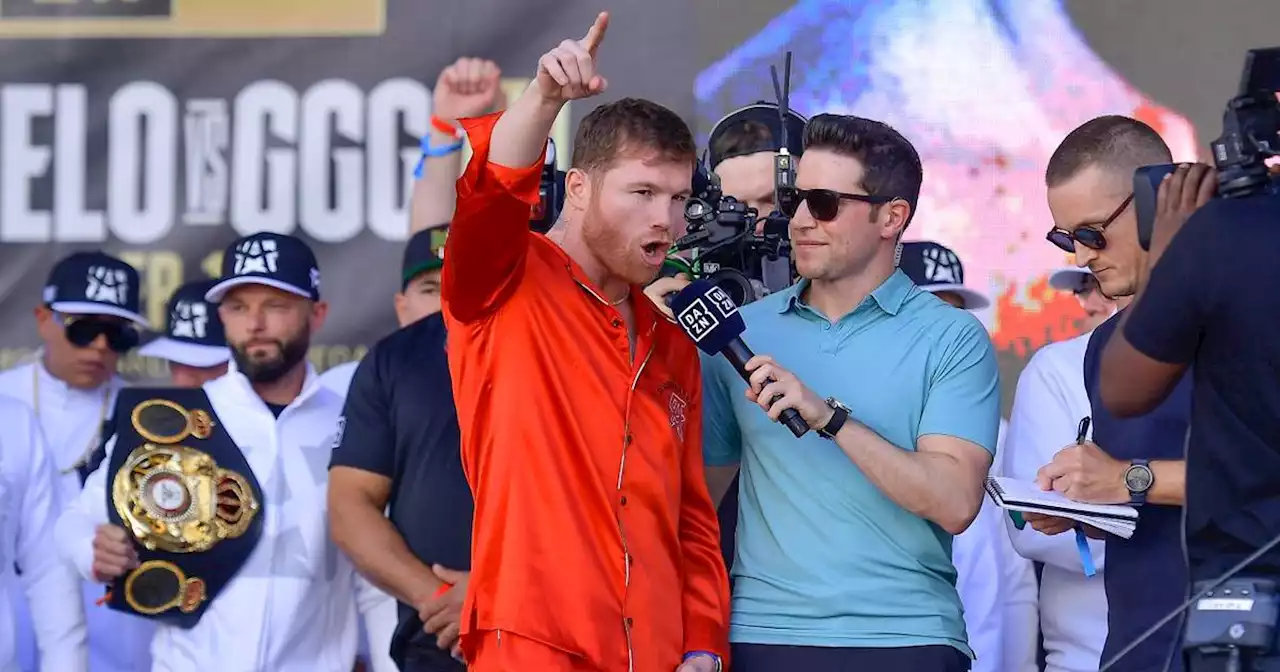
1139 478
838 418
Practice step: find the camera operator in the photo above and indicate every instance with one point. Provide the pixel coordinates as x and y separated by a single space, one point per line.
842 534
1135 461
594 543
1211 305
743 146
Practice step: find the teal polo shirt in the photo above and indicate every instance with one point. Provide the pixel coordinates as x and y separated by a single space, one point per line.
823 557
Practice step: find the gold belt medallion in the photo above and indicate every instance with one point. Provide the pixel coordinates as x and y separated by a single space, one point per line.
175 498
157 586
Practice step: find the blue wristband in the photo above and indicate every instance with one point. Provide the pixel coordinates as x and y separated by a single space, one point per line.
433 152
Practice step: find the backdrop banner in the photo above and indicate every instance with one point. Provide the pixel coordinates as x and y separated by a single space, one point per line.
160 130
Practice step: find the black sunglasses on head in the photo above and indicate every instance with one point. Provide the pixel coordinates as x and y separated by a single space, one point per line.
83 331
1090 236
824 204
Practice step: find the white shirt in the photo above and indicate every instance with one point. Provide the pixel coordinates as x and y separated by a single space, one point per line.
293 606
1047 407
338 378
28 511
71 420
997 589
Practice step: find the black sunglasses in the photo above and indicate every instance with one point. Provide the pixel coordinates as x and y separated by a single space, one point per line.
1090 236
824 204
83 331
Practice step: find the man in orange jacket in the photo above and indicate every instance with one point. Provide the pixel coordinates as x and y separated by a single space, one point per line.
595 544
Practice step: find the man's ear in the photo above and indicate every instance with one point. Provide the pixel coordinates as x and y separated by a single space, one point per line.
577 188
401 304
319 312
894 216
44 322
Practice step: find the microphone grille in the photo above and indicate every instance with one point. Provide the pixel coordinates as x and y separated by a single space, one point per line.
708 315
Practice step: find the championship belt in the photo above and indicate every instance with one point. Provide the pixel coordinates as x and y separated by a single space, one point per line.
185 493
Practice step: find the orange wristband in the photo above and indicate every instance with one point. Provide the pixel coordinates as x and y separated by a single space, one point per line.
444 588
445 127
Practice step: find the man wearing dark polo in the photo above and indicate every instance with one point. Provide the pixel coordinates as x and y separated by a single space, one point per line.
399 446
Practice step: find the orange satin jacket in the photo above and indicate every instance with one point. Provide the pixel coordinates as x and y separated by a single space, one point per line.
593 530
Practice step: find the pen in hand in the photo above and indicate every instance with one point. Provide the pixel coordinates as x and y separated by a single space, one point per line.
1083 431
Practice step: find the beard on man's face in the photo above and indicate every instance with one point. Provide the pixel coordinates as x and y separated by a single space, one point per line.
272 367
608 241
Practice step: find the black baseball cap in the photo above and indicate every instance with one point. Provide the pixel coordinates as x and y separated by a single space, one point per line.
94 283
425 252
765 114
935 268
271 259
193 335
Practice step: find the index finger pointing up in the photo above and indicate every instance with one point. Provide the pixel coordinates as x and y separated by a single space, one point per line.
595 35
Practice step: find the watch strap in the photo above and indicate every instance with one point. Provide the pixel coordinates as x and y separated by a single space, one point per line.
1139 497
838 417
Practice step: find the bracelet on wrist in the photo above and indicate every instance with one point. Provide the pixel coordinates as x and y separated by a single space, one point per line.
448 128
702 654
430 151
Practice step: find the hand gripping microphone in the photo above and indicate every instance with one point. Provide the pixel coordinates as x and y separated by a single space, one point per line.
711 319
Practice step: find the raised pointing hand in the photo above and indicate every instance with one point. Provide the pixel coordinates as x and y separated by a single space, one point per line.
568 72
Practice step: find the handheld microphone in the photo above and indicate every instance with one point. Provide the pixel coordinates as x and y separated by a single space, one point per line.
711 319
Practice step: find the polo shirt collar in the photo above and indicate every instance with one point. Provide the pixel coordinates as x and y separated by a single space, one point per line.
890 295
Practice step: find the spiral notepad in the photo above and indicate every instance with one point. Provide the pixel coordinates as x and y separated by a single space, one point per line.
1015 495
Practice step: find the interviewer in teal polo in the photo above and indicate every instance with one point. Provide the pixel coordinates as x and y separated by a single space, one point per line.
844 536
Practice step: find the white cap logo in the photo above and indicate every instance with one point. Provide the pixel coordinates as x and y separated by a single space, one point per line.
256 256
105 284
942 267
189 320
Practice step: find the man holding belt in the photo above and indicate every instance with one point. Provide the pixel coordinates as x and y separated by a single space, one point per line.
844 535
595 544
261 588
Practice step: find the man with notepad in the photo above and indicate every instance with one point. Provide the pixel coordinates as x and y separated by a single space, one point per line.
1048 403
1136 461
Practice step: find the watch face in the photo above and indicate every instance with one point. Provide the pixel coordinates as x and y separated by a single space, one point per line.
1138 478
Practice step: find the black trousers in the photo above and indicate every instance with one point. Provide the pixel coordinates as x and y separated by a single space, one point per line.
779 658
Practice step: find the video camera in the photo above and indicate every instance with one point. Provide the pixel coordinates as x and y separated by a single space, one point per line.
1250 136
727 251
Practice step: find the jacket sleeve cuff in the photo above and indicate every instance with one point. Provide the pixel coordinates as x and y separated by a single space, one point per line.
520 183
706 635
